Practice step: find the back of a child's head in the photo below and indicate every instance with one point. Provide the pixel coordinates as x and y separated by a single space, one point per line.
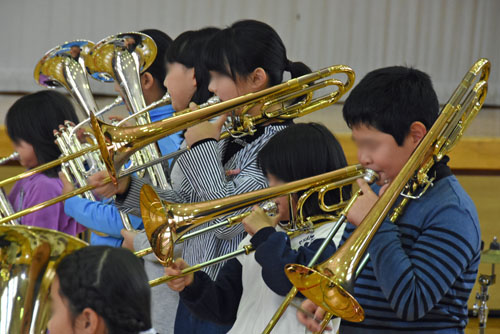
186 50
300 151
158 69
246 45
110 281
33 118
390 99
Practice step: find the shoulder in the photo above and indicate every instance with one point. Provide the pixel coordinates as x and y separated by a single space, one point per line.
447 210
41 182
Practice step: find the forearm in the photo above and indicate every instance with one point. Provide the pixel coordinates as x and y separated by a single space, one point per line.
97 216
215 300
274 252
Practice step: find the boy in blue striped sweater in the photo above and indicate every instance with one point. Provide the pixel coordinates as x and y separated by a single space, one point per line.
422 268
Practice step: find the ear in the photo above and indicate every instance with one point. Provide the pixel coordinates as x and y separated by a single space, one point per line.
88 322
259 79
417 132
147 81
192 75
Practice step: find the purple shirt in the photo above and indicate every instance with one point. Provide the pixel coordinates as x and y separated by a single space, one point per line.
36 189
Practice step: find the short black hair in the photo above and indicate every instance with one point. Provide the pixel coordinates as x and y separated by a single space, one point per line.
163 42
247 45
390 99
34 117
300 151
186 50
110 281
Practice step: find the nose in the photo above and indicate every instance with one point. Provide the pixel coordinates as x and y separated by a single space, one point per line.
212 86
165 82
364 158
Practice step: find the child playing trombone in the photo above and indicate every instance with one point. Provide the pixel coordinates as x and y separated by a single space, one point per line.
249 288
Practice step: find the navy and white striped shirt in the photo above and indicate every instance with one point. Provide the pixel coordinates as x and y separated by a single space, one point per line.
205 179
421 269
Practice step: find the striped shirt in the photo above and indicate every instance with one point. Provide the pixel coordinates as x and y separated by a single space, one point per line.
421 269
205 179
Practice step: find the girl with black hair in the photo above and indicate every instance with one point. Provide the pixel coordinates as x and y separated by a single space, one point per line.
30 123
187 77
248 289
246 57
100 290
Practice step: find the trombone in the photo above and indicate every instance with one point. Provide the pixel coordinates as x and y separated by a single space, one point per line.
247 249
269 208
162 219
117 144
330 284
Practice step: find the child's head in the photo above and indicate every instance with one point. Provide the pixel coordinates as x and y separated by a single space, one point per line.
300 151
187 78
158 69
246 57
30 122
389 112
100 289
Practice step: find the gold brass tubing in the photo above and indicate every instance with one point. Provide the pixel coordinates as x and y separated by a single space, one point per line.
245 250
47 165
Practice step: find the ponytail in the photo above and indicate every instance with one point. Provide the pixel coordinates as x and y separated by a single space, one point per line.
297 68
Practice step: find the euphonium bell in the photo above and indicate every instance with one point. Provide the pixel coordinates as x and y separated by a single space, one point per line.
28 259
330 284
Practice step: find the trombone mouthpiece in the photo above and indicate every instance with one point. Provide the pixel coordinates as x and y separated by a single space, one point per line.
370 175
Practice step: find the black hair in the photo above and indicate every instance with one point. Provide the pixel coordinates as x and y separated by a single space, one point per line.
300 151
33 118
247 45
390 99
110 281
186 50
163 42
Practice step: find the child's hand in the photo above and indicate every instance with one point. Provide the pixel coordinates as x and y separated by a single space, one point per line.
364 203
312 324
67 186
108 190
178 284
257 220
128 239
204 130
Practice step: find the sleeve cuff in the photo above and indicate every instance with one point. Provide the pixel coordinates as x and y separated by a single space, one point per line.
262 235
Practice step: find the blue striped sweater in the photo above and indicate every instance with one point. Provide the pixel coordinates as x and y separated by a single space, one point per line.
421 269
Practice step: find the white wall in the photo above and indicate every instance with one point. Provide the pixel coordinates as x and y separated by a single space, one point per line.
442 37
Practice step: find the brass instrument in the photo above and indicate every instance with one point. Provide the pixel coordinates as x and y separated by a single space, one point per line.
269 208
64 66
162 219
28 258
330 284
247 249
5 206
122 58
13 157
124 141
118 143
